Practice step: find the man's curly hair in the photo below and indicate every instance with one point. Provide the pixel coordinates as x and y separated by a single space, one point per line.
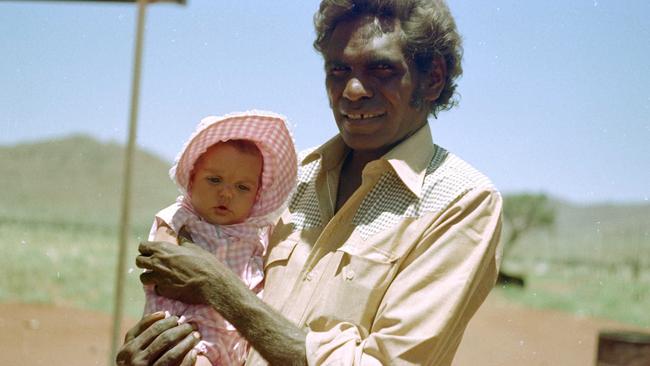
428 31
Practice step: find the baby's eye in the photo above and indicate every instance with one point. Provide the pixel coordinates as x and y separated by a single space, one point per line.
243 188
214 180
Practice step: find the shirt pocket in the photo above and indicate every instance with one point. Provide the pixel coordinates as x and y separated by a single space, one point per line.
355 291
280 254
275 267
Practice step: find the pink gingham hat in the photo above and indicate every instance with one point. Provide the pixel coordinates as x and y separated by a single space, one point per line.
268 131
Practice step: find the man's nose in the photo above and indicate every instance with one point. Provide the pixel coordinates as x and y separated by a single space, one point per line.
355 90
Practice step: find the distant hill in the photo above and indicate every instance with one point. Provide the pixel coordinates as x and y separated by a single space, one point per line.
594 233
79 179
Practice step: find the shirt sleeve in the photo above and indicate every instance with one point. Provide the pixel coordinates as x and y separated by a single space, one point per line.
439 286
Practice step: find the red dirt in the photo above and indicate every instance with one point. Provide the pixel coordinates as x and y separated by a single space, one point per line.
505 334
501 334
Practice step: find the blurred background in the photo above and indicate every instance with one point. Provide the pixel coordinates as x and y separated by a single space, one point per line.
554 106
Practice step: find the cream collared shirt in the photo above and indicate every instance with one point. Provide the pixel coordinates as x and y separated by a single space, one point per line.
395 275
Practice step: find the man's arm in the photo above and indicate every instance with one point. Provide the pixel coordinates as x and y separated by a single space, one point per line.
187 273
277 339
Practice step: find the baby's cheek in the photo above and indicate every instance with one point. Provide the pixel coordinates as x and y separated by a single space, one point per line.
249 207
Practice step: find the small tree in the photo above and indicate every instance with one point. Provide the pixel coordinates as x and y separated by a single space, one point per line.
523 213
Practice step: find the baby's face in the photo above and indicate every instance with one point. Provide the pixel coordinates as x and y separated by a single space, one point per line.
224 184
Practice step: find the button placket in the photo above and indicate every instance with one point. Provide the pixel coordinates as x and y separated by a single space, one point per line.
309 276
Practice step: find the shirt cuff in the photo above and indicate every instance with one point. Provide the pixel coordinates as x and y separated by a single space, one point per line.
335 346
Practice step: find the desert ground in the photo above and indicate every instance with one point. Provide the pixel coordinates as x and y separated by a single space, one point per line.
500 334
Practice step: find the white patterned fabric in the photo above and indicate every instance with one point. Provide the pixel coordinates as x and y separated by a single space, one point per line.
446 178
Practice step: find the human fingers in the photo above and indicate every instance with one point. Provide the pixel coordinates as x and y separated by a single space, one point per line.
145 338
153 256
136 339
144 262
164 292
130 352
143 324
190 245
148 248
182 353
190 358
145 248
149 278
168 340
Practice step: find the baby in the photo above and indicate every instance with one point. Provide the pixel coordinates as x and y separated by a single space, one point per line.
235 174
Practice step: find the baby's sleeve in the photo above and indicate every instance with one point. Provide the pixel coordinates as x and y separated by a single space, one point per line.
161 230
154 302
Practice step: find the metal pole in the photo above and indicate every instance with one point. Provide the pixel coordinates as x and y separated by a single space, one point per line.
126 185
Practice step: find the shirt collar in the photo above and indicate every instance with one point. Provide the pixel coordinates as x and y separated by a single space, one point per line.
409 159
331 153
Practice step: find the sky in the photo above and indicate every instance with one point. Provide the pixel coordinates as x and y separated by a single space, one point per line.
555 95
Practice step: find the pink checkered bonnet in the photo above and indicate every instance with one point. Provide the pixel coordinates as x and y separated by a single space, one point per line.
269 132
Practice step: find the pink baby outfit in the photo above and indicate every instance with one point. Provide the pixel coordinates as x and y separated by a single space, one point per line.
240 246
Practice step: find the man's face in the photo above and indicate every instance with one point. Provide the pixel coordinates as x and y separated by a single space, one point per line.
370 84
224 184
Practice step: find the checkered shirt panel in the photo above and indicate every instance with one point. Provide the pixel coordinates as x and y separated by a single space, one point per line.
446 179
304 208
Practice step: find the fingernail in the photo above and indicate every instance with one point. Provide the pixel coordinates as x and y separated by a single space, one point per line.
196 335
182 319
167 314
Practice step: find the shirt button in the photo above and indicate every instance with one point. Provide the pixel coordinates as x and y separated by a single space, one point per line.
349 275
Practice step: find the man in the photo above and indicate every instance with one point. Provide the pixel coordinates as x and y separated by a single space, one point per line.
389 244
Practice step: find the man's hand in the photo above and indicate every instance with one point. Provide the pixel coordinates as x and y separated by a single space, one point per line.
183 272
156 340
190 274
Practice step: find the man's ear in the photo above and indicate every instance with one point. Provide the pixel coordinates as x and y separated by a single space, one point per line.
435 79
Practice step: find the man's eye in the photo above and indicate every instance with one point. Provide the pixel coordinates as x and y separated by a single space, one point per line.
383 69
336 70
243 188
214 180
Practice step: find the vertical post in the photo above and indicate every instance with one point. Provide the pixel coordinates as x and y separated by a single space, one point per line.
126 185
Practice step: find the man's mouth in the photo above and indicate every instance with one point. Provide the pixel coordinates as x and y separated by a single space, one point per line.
362 116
